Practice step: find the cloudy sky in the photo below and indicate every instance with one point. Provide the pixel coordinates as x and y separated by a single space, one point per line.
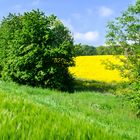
87 19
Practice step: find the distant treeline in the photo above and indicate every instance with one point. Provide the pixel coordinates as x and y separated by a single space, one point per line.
84 50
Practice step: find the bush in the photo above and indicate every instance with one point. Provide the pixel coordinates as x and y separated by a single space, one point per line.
37 50
134 99
131 93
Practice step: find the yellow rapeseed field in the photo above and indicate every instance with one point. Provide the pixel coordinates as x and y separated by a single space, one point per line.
92 68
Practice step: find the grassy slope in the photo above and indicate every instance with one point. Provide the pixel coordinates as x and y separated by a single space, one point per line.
35 113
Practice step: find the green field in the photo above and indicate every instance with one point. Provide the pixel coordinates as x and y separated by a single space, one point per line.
28 113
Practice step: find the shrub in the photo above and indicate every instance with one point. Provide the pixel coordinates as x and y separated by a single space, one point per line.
134 99
37 50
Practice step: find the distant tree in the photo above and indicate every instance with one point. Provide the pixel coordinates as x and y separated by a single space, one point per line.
115 50
36 50
125 32
102 50
109 50
78 50
89 50
84 50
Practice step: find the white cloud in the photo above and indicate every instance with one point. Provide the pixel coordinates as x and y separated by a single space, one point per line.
82 37
105 11
87 36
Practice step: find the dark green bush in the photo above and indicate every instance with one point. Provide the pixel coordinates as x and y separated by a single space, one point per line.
131 93
37 50
134 99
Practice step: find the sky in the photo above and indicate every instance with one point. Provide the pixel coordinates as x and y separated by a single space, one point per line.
86 19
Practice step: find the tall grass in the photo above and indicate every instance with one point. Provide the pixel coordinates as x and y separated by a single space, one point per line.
36 114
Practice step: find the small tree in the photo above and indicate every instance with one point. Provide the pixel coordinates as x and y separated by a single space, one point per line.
36 50
125 33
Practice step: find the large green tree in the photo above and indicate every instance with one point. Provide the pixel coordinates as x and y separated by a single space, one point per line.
37 50
124 32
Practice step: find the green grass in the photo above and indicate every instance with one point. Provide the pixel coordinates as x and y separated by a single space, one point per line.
28 113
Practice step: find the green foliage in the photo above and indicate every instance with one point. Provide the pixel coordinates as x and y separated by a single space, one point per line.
0 70
134 97
101 50
108 50
36 113
125 33
84 50
36 50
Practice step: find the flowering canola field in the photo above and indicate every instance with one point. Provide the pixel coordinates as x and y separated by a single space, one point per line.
92 68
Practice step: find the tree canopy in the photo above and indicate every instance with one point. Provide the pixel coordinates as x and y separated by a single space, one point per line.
36 50
124 32
84 50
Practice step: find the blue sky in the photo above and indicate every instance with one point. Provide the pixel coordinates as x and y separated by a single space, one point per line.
87 19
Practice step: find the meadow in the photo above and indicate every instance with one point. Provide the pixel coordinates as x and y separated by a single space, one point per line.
43 96
92 112
93 68
35 113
